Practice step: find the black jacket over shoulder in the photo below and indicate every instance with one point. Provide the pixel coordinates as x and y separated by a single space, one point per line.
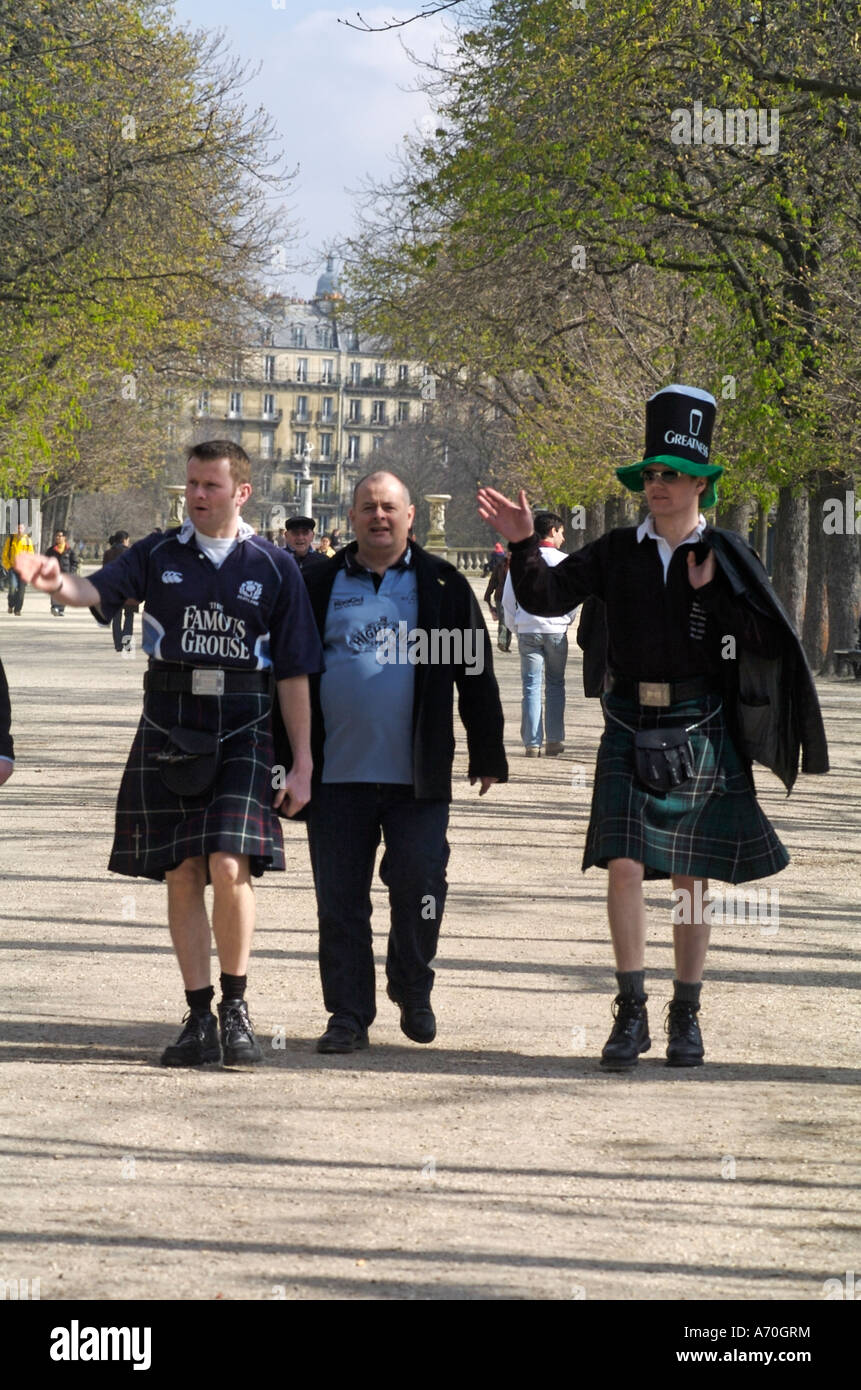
445 601
770 698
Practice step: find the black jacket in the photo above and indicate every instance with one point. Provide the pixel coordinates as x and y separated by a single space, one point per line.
770 698
6 745
445 601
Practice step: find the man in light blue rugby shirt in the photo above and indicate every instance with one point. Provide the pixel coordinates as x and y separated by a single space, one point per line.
401 629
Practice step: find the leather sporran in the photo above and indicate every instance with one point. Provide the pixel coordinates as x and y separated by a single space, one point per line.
188 763
664 758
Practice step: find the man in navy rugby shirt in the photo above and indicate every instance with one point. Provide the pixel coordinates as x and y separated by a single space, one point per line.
226 613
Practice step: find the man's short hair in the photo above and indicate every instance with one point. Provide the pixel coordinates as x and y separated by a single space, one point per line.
211 450
381 473
545 522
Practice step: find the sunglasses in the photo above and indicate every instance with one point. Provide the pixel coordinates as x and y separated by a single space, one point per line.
653 475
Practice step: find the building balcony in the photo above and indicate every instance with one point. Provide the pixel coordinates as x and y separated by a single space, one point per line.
304 419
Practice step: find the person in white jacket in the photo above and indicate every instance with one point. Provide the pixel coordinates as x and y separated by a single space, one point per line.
543 644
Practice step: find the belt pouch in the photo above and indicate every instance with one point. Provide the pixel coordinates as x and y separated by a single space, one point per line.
189 760
664 758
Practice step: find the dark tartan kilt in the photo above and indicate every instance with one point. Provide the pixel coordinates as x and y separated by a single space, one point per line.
156 830
712 827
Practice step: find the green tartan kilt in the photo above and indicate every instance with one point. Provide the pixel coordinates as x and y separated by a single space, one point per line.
712 827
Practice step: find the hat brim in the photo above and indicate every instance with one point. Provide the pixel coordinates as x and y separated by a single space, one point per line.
632 474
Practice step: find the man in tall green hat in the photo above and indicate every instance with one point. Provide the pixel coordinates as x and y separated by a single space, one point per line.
705 674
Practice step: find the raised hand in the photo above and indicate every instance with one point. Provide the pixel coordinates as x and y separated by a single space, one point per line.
42 571
513 520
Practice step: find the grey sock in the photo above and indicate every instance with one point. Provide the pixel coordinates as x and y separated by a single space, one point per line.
687 994
632 982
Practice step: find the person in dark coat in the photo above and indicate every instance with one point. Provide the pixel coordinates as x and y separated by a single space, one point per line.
401 632
7 747
704 674
123 621
68 562
300 537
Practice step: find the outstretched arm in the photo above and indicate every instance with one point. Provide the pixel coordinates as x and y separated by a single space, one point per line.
513 520
43 572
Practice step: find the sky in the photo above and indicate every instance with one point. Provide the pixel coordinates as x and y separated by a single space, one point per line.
341 100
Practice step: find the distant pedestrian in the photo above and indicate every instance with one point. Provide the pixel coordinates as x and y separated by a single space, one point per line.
493 598
324 547
543 645
300 536
123 621
19 544
68 562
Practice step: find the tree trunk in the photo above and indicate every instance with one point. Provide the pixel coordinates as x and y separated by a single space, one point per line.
790 552
736 516
814 630
760 533
594 521
843 572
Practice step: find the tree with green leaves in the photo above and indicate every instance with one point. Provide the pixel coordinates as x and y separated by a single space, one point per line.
699 160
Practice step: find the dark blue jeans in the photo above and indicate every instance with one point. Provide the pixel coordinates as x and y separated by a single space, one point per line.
345 822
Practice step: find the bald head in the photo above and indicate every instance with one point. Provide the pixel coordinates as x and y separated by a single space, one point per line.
381 516
377 477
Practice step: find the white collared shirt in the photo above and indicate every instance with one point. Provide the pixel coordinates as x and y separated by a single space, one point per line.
216 547
665 550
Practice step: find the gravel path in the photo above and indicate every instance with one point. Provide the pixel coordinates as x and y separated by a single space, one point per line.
498 1163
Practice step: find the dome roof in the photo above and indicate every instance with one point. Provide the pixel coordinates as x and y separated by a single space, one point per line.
327 285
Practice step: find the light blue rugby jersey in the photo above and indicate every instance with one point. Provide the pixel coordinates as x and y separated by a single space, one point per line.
367 705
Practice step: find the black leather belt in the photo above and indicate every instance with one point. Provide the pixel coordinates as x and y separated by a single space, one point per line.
205 680
661 694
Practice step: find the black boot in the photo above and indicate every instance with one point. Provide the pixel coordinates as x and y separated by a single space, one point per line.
630 1035
685 1041
196 1044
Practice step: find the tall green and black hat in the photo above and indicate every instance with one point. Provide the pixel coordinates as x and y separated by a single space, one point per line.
679 424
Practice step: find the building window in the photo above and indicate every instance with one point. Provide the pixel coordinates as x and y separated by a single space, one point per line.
297 336
302 408
377 442
353 448
403 372
353 341
236 368
266 335
268 404
325 446
236 403
301 368
323 482
327 370
266 444
403 412
300 439
355 373
355 410
324 336
379 372
326 412
378 413
268 368
297 483
266 479
426 411
203 403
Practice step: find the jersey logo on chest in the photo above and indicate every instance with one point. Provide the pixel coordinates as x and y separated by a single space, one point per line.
171 577
250 590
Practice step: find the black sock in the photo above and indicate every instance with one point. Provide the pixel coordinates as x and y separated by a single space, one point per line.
632 982
199 1000
687 994
232 987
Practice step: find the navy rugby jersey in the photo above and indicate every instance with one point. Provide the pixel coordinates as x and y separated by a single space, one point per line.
252 613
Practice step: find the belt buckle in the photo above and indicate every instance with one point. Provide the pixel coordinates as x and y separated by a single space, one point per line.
656 694
207 680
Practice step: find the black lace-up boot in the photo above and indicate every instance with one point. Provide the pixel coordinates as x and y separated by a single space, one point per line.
630 1035
684 1039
